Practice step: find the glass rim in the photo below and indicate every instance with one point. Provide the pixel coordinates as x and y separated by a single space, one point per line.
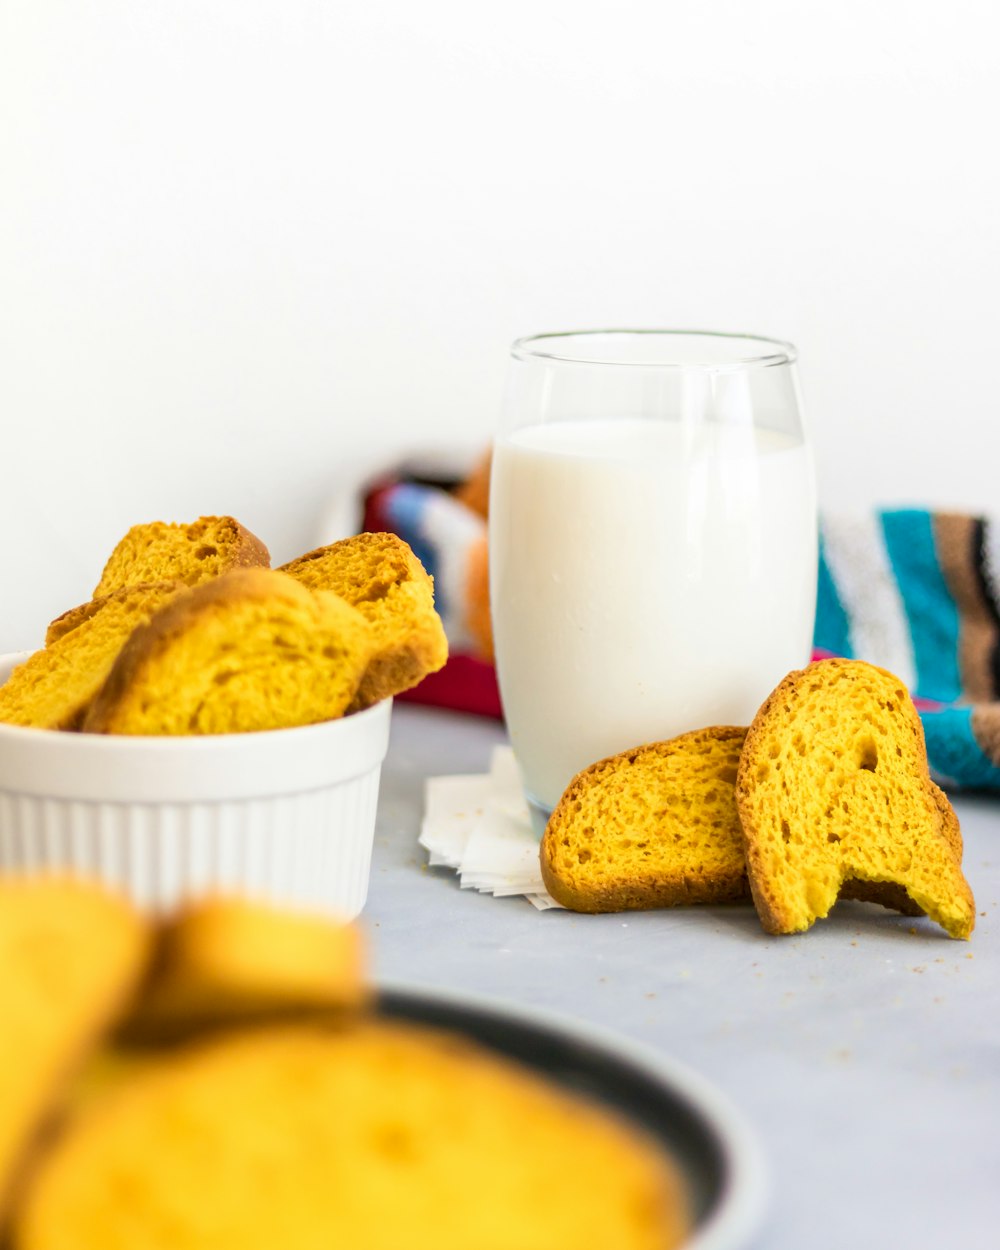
771 351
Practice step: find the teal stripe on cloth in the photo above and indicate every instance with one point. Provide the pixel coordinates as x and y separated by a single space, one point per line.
833 631
931 612
953 752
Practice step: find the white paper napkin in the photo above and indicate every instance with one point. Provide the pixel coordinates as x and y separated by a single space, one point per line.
479 825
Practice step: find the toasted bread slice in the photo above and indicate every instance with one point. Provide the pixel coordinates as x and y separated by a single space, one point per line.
652 827
833 786
249 650
70 956
887 893
165 552
54 687
380 576
382 1135
229 960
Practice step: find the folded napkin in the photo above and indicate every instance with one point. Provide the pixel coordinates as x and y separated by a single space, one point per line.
914 591
479 825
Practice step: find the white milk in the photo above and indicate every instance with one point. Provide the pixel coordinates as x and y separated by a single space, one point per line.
646 578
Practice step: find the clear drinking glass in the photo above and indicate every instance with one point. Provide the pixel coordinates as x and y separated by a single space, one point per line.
653 541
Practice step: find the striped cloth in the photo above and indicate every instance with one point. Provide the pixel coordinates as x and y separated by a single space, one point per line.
918 593
913 591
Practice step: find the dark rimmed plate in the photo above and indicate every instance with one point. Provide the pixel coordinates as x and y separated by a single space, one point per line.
709 1141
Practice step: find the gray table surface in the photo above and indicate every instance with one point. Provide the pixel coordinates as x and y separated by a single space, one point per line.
865 1053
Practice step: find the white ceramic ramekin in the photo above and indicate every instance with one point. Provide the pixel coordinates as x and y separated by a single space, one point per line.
285 816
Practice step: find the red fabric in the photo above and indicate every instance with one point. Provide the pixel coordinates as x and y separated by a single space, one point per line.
465 684
374 518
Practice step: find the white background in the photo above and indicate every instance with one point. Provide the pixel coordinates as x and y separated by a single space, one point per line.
251 251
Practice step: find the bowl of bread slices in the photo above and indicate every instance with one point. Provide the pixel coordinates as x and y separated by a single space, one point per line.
206 722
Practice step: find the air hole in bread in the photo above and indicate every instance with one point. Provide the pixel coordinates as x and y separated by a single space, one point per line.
786 832
867 754
220 679
583 857
833 837
204 552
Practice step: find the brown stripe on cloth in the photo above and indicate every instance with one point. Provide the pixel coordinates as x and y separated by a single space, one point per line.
958 540
986 728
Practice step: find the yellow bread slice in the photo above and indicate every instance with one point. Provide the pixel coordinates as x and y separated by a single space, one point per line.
70 956
54 687
888 894
380 576
655 826
833 785
643 829
130 595
226 960
379 1136
249 650
160 552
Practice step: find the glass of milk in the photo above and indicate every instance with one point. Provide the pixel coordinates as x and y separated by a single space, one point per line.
653 541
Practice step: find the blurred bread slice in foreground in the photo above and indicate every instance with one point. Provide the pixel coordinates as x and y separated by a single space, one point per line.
223 961
834 786
379 1136
70 958
380 576
249 650
655 826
